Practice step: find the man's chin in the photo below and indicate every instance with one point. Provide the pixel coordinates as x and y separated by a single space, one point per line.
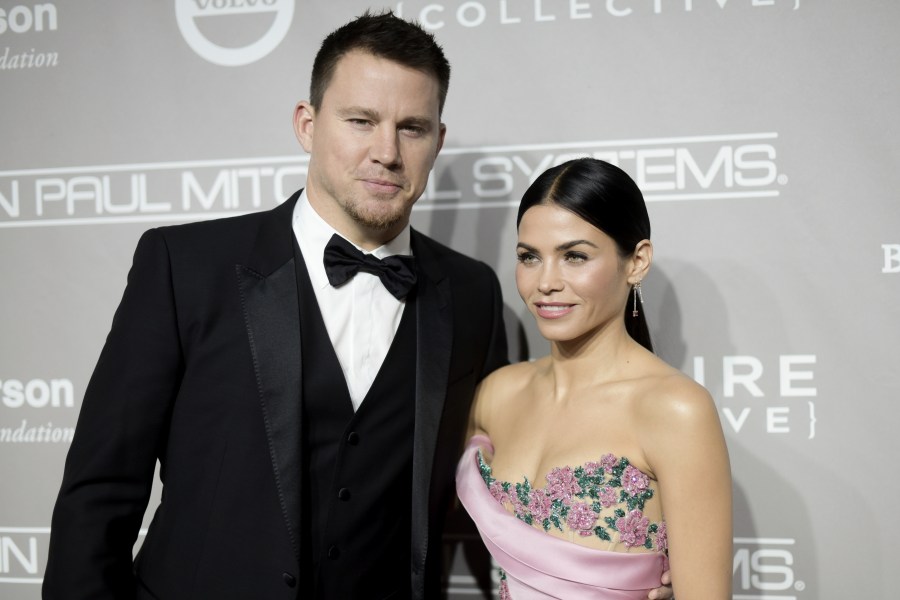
381 221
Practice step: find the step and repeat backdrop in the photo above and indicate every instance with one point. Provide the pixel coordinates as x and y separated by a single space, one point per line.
764 134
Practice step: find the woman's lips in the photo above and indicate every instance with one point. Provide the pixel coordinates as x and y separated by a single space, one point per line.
553 310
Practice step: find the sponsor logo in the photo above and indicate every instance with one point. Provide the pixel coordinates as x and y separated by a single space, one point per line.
37 393
475 13
25 19
764 570
747 384
125 193
706 168
189 14
891 258
41 394
714 167
23 554
44 433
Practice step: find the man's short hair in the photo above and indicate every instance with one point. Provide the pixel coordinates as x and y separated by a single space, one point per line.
386 36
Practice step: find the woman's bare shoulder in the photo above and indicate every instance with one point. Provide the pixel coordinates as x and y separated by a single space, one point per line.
498 389
509 380
674 407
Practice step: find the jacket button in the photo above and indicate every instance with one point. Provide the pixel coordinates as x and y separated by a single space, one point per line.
333 553
353 438
289 579
344 494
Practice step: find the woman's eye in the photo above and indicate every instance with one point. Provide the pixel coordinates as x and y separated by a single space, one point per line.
526 258
576 257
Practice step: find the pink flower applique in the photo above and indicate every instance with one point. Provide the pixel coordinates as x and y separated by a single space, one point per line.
498 493
521 509
581 518
608 497
591 467
539 503
633 481
561 484
632 528
608 461
662 537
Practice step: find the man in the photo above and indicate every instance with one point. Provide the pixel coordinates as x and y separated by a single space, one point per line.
307 432
304 385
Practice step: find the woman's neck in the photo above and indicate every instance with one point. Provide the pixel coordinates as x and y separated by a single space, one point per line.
596 358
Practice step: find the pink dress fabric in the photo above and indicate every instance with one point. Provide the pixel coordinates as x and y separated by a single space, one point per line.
540 566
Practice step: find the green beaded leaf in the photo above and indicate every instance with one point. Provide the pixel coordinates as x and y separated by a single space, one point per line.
523 492
611 521
602 534
485 469
556 523
619 512
634 502
653 528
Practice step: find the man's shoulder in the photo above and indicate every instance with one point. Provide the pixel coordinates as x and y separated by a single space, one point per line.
247 222
232 230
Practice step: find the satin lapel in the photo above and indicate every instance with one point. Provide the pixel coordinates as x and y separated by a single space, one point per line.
434 337
268 287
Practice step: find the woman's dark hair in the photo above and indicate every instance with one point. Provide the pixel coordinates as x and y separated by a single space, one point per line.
607 198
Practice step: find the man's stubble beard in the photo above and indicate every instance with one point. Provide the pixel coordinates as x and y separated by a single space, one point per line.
376 222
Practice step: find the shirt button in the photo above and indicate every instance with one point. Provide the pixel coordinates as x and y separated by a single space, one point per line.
289 579
353 438
344 494
333 553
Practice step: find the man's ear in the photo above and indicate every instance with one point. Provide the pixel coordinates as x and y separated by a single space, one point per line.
442 132
304 119
639 262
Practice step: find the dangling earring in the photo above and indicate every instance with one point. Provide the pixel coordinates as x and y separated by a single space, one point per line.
636 290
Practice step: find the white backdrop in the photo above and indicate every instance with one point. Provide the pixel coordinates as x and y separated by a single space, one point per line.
764 134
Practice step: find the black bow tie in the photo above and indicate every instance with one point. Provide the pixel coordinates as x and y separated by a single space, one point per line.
343 261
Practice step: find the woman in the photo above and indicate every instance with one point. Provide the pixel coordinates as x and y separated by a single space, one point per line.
593 469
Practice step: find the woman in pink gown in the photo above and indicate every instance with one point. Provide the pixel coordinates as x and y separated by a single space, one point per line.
591 471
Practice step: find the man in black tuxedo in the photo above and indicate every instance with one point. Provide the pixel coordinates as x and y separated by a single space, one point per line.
303 375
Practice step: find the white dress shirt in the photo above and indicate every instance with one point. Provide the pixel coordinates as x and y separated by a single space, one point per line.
361 316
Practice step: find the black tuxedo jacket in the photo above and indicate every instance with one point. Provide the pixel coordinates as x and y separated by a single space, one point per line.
201 371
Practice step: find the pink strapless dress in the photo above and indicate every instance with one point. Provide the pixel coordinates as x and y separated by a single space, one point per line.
540 566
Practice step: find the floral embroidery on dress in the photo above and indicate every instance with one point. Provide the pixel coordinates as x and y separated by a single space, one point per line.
576 497
504 587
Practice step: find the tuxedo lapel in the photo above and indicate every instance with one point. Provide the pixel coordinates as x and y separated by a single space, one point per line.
434 332
268 288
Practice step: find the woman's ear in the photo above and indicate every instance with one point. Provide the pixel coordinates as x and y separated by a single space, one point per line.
639 262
